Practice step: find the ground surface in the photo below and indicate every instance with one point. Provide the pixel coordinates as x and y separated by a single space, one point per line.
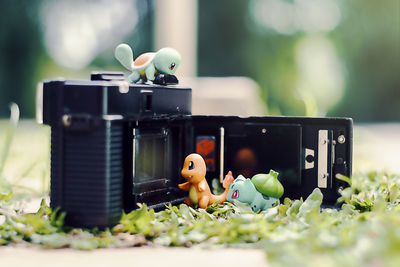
376 147
142 256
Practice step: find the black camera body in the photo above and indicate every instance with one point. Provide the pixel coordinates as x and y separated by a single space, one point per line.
114 145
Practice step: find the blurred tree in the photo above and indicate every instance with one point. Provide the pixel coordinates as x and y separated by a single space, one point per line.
20 51
229 45
24 60
367 42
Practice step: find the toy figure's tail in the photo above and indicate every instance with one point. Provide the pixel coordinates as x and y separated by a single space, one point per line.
124 54
225 184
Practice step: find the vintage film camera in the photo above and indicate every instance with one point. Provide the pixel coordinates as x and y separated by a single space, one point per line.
115 144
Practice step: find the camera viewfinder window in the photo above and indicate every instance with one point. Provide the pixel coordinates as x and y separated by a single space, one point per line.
150 157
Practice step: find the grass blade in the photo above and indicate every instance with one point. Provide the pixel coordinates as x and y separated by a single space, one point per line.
14 118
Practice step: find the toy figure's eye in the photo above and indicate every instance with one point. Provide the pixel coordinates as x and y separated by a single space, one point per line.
235 194
172 66
191 165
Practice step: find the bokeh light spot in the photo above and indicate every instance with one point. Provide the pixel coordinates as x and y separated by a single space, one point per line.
77 31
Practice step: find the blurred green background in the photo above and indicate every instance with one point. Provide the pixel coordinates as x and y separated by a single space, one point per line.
309 57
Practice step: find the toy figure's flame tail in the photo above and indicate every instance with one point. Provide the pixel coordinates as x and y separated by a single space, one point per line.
228 180
124 54
225 184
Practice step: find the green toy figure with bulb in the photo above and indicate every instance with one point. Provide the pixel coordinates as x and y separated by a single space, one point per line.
261 192
158 67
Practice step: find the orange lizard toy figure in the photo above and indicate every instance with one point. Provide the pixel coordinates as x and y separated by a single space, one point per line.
194 170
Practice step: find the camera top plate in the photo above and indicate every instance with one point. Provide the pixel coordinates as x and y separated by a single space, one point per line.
109 94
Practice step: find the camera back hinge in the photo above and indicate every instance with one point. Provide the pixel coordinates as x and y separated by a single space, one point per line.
326 150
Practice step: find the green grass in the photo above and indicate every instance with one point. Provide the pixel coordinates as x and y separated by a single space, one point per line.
366 231
25 158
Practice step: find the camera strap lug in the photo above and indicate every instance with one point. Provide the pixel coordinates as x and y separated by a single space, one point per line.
77 122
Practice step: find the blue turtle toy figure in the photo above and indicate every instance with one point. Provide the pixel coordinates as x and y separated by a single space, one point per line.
157 67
